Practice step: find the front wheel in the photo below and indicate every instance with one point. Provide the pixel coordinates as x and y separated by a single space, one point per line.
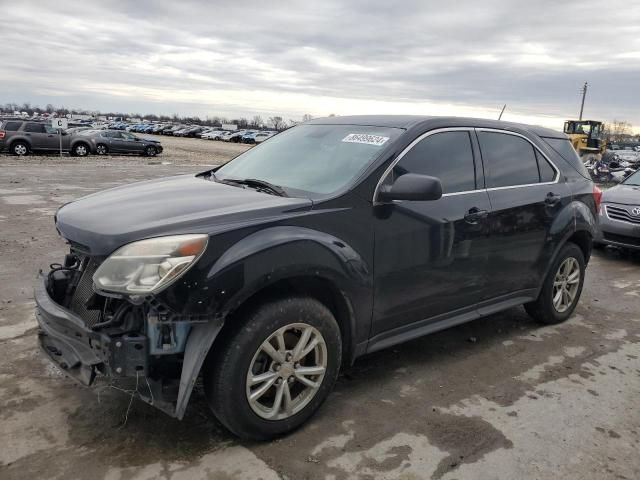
101 149
561 289
272 372
150 151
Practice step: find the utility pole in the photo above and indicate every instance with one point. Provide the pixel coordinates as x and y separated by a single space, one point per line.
584 95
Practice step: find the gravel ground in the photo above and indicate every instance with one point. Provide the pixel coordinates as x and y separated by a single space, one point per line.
499 398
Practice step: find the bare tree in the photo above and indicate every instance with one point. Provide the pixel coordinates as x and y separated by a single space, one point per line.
256 121
307 118
278 123
618 130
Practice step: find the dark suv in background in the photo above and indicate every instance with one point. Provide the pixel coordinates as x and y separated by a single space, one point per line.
334 239
21 137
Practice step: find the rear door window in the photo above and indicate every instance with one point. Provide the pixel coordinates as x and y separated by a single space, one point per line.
447 156
34 128
510 160
547 173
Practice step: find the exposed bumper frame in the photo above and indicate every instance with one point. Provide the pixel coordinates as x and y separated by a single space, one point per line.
82 353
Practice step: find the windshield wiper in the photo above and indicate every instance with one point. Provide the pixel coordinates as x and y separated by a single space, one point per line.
258 185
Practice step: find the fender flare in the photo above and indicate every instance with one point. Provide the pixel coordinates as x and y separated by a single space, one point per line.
203 336
576 218
198 345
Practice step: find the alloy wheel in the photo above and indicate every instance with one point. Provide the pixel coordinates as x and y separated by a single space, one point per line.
81 150
20 149
286 371
566 284
101 150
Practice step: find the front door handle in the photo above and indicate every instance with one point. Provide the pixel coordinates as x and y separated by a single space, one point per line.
552 199
475 214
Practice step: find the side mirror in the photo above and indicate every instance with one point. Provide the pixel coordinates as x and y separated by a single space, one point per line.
412 186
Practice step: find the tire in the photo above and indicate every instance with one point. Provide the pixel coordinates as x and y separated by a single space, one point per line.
81 150
102 149
545 310
150 151
241 354
20 148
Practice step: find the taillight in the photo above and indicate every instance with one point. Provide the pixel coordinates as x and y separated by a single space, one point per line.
2 134
597 196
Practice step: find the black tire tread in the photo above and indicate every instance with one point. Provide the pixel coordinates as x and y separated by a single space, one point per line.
231 354
542 309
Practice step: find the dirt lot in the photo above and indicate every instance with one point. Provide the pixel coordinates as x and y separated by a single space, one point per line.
500 398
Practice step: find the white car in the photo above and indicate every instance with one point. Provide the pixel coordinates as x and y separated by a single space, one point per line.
214 135
262 136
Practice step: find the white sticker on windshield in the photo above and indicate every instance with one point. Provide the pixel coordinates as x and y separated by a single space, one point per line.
376 140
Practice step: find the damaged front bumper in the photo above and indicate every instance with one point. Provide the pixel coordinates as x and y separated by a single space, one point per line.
86 355
63 337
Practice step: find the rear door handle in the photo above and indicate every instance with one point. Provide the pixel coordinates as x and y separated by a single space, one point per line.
475 214
552 199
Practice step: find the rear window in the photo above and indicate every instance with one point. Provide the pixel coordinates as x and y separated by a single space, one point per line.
564 148
11 126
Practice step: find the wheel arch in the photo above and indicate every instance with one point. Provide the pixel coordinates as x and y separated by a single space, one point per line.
80 142
24 140
319 288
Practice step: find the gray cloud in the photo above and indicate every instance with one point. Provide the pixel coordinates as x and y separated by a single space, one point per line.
204 58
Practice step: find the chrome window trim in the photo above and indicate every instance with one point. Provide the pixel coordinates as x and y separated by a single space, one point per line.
556 178
465 192
409 147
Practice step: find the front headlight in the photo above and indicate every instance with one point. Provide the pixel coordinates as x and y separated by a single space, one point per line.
149 265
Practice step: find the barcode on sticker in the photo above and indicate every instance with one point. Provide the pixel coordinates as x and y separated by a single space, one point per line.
376 140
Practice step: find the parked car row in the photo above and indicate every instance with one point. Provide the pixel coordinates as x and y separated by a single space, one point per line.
23 137
194 131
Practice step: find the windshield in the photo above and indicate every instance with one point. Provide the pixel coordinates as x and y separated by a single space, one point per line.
633 179
318 159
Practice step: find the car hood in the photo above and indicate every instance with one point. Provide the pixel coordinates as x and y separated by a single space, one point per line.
106 220
625 194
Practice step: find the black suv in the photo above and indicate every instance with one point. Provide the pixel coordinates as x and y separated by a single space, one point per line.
334 239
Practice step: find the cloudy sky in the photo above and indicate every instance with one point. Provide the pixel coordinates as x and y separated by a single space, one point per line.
320 57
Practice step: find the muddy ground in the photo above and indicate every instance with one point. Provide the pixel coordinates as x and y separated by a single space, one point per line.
499 398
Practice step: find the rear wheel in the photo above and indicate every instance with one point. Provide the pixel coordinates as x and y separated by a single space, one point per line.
273 372
81 150
19 148
561 289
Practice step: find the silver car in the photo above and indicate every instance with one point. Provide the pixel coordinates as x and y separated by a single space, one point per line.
619 218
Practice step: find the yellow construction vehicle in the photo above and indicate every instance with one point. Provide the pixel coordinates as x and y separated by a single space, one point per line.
587 138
